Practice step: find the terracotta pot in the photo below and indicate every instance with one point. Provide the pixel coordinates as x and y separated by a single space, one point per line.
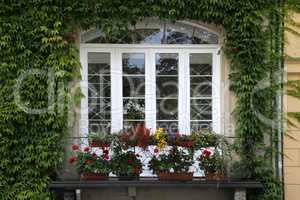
214 176
128 177
172 176
90 176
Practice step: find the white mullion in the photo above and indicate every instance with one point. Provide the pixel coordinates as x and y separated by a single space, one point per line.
150 90
182 93
116 91
188 91
216 93
84 112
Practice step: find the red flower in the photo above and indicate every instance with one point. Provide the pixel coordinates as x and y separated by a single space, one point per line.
87 149
72 159
94 154
105 151
156 150
189 144
177 135
130 161
206 152
88 161
136 170
105 156
75 147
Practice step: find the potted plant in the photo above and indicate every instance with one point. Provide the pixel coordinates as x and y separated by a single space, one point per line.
126 164
90 165
137 136
212 163
172 165
100 139
205 139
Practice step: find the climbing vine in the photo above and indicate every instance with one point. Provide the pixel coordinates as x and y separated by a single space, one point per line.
34 35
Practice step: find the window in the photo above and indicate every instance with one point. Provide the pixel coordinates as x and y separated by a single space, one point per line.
161 84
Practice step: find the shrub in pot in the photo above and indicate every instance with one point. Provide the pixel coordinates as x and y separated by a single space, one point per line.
126 164
173 164
89 164
138 136
212 163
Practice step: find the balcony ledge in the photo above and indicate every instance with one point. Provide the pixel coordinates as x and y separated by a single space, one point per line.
228 184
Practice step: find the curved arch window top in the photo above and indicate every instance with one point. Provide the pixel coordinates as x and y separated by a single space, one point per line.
156 32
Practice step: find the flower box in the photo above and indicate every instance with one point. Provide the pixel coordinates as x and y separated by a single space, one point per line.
175 176
214 176
90 176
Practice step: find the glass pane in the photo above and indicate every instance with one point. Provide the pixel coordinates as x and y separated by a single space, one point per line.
197 126
134 109
132 124
166 86
133 63
98 63
99 79
201 109
169 126
99 126
166 109
201 86
100 109
201 64
133 86
99 90
166 63
152 31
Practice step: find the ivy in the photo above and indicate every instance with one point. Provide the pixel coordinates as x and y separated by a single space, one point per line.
33 36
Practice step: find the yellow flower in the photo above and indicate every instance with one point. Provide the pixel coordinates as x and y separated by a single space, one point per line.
161 143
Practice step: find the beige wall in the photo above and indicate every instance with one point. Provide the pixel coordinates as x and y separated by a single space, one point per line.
292 137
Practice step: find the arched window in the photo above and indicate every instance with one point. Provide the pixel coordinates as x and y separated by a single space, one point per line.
156 32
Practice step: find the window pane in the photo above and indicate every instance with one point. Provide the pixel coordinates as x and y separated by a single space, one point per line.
151 31
200 64
201 109
133 86
98 63
99 126
133 63
201 86
134 109
99 109
166 63
167 109
166 86
197 126
169 126
99 91
132 124
99 79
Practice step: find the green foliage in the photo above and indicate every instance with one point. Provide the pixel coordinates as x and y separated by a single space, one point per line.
90 162
211 161
33 36
176 159
125 163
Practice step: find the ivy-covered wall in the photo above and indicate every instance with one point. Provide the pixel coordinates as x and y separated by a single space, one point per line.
34 36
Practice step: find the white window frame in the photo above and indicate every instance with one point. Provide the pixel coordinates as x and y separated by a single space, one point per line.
183 51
